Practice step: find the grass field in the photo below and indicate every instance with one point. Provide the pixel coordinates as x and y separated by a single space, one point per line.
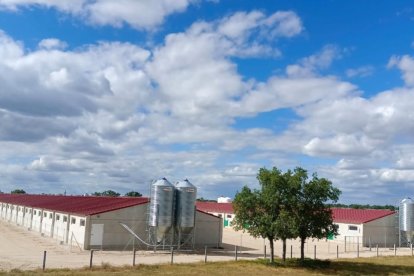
362 266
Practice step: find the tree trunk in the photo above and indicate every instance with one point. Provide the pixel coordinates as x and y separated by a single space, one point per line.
302 248
272 252
284 250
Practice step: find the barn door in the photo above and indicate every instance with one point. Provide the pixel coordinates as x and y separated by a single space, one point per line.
97 231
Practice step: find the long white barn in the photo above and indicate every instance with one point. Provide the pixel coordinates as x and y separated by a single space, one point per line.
94 222
356 226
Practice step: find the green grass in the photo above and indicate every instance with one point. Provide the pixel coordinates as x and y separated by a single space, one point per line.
362 266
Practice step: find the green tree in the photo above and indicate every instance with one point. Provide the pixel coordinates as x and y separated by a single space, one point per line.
107 193
312 216
18 191
133 194
257 211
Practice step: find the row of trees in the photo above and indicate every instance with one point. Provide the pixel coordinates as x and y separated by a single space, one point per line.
115 194
286 206
104 193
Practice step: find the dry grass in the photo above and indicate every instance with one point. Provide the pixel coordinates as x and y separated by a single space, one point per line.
362 266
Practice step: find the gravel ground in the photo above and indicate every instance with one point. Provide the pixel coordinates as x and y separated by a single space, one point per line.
22 249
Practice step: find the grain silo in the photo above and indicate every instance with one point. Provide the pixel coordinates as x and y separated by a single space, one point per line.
186 195
406 221
161 212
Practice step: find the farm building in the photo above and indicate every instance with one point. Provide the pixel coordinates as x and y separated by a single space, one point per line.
222 210
366 226
363 226
94 222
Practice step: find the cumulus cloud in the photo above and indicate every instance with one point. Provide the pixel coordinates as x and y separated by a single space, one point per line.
143 14
52 43
363 71
406 66
116 114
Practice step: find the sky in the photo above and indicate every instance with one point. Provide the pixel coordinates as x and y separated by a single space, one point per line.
114 94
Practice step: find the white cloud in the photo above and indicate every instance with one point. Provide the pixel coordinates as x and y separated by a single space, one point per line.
309 66
142 14
406 66
52 43
361 72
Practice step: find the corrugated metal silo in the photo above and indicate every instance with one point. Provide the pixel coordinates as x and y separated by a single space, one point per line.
406 219
161 214
185 205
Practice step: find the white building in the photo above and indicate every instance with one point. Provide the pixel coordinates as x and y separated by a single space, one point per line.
366 226
94 222
355 226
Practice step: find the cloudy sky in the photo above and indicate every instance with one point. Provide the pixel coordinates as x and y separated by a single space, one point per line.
111 94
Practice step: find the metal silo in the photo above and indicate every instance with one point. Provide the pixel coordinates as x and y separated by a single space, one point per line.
186 195
161 213
406 220
185 205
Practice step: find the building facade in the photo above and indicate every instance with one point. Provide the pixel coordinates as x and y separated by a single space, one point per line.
90 222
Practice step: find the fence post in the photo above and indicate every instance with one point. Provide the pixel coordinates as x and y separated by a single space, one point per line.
133 259
369 243
91 259
337 251
172 255
395 250
265 257
291 251
44 260
358 250
345 244
205 254
235 252
411 245
377 250
314 252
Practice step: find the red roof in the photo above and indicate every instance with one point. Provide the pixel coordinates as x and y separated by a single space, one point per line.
214 207
340 215
358 216
83 205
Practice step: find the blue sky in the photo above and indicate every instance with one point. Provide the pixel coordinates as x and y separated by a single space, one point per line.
104 94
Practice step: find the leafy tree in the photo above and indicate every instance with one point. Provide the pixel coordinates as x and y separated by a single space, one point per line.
107 193
18 191
257 211
313 217
133 194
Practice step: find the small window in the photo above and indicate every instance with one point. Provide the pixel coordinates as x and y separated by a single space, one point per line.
228 216
57 217
73 221
65 218
353 228
44 214
220 215
20 209
82 222
30 211
34 212
50 215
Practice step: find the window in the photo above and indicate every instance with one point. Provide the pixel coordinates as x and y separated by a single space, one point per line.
65 218
73 221
34 212
82 222
50 215
220 215
57 217
352 227
228 216
20 208
44 214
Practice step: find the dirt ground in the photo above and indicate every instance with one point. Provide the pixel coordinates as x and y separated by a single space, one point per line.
22 249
